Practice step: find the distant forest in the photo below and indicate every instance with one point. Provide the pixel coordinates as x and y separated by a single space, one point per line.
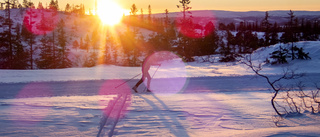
21 48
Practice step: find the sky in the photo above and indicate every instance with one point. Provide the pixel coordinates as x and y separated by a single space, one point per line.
158 6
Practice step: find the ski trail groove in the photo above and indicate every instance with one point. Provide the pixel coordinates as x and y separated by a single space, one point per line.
123 101
106 113
111 115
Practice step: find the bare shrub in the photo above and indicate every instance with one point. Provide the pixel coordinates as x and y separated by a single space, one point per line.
290 104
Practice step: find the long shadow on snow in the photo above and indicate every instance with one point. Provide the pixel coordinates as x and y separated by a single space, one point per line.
181 132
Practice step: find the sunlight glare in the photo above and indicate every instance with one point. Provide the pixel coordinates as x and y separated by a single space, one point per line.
109 12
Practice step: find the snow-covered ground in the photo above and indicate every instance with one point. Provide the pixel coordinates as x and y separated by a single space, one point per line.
169 69
213 114
219 101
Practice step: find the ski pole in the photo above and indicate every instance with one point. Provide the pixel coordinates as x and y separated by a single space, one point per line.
128 80
153 76
155 72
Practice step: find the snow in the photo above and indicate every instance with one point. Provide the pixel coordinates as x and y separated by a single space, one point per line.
218 114
236 14
168 69
218 99
188 99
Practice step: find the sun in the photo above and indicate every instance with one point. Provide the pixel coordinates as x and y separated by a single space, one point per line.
109 12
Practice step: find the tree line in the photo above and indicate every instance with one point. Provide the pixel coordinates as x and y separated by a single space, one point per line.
22 49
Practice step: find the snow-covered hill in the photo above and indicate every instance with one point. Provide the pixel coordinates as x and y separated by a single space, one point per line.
62 109
79 27
279 16
84 101
235 14
303 66
193 69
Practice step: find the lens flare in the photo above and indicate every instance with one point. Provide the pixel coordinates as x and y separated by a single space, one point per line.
118 98
40 21
109 12
168 78
197 26
32 111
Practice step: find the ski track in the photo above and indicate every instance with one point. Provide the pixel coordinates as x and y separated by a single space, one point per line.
147 114
220 106
111 115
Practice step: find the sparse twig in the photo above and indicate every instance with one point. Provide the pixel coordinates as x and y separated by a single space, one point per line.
287 75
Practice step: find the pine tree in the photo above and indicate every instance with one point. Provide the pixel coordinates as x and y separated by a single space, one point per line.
186 44
54 46
228 50
5 62
86 44
132 35
169 32
54 5
133 10
161 39
63 59
211 40
186 47
27 4
81 45
20 57
290 35
141 15
166 21
274 34
46 59
82 10
149 14
75 44
128 42
28 33
67 8
40 6
111 51
95 39
266 28
231 26
185 7
7 43
107 59
301 54
251 41
280 56
309 31
90 60
45 24
231 41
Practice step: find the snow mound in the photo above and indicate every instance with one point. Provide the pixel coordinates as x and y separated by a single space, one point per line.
303 66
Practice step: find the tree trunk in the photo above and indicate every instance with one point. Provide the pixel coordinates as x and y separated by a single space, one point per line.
273 104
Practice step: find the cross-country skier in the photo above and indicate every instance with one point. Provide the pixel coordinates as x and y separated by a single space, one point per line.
148 61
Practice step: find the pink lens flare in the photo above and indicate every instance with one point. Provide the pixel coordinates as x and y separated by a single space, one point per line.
40 21
118 98
35 89
168 75
197 26
111 87
32 110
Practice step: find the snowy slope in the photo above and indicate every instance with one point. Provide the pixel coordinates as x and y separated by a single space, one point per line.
238 109
214 114
168 69
303 66
279 16
78 27
236 14
38 107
